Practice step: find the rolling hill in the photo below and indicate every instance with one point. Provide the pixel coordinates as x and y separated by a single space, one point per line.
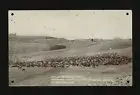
38 49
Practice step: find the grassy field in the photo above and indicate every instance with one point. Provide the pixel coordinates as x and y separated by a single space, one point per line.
47 76
38 48
27 47
21 44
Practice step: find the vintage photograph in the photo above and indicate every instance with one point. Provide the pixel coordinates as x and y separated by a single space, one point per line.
70 47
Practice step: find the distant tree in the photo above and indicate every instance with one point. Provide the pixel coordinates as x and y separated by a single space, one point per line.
56 47
12 34
72 40
92 40
117 38
130 39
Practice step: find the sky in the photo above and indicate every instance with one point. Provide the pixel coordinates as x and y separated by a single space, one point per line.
71 24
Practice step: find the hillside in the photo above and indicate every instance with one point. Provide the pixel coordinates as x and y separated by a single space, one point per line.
35 49
77 48
106 45
26 44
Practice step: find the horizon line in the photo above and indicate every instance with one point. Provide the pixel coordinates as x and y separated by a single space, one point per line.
72 38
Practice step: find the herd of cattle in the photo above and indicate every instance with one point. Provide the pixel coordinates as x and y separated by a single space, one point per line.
83 61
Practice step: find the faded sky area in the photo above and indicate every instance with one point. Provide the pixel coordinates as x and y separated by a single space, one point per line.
72 24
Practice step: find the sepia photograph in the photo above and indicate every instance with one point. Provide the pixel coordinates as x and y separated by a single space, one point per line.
70 47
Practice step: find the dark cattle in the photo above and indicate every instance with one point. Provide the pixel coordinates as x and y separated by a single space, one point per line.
23 69
19 67
14 66
83 61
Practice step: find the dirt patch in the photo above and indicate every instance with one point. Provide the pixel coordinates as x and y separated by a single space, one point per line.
81 76
18 75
